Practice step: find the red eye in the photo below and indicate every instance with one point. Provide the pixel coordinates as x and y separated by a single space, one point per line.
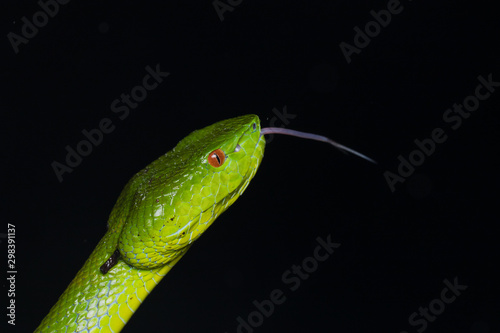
216 158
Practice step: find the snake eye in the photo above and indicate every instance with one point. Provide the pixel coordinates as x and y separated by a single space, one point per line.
216 158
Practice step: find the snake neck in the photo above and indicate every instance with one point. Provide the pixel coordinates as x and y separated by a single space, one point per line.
96 302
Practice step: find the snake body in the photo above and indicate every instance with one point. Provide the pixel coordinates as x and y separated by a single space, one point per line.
161 211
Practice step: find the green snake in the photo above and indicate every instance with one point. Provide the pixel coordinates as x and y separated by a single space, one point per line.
161 211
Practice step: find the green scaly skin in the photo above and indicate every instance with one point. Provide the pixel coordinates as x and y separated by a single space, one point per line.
161 211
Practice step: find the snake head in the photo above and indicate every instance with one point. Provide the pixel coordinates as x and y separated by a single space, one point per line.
170 203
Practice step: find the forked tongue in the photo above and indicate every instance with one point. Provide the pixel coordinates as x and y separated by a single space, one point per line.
311 136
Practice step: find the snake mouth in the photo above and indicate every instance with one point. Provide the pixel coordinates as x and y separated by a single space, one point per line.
243 137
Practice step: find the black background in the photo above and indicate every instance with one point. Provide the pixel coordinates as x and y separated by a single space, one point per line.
397 247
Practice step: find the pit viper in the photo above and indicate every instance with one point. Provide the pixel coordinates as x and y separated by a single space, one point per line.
160 212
